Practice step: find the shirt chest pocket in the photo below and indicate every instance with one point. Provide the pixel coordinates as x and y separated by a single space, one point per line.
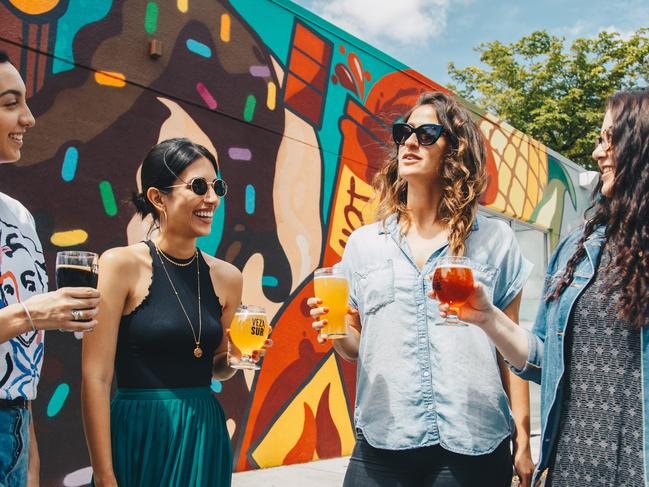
375 284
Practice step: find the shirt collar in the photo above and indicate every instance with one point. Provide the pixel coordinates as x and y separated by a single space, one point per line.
391 226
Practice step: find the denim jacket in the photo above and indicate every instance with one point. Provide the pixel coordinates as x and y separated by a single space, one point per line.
545 361
419 384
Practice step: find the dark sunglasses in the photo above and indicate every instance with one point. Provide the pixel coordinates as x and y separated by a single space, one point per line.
200 186
427 134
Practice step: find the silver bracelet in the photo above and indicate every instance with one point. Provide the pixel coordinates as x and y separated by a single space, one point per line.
29 316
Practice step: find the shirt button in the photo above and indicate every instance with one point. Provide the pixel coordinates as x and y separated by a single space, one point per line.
426 374
430 407
422 339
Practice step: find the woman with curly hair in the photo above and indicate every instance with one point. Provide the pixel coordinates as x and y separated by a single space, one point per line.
431 403
589 347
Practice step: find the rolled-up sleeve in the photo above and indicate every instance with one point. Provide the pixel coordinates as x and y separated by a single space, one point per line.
514 270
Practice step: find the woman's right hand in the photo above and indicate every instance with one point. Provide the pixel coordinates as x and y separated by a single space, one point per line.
54 310
477 310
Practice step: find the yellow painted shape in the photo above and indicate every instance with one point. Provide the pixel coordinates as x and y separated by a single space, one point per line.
226 24
348 207
69 238
498 141
34 7
110 78
287 429
517 197
521 169
271 96
183 5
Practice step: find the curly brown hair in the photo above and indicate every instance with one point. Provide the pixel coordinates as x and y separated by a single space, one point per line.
625 213
462 172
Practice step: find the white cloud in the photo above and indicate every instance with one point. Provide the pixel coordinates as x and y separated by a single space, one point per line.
625 35
384 22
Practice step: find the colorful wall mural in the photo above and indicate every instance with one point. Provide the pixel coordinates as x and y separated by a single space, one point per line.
298 113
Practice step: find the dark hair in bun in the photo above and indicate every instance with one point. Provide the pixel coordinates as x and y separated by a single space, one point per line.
161 167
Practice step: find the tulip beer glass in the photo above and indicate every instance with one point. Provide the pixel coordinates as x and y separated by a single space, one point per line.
248 332
331 286
453 284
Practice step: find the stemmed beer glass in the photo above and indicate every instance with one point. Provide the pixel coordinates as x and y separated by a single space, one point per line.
248 332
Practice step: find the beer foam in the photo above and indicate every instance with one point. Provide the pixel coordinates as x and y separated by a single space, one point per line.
85 268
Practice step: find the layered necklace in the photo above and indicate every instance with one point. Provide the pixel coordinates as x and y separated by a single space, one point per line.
198 351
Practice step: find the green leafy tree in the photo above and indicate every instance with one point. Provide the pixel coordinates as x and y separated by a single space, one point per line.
554 94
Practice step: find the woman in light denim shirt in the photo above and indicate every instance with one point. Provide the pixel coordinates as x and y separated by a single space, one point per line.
589 347
431 408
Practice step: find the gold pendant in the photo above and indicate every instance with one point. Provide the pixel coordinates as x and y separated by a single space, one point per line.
198 352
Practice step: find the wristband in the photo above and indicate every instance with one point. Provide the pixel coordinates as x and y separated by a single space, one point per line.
29 317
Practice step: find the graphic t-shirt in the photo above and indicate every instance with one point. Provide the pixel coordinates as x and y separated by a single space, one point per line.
22 274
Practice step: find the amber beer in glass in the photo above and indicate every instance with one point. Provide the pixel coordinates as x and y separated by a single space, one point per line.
453 284
331 286
248 332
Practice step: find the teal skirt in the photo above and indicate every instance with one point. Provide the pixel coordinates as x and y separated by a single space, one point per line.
169 437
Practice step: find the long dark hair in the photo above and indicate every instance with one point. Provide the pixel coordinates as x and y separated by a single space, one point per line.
462 172
161 167
624 213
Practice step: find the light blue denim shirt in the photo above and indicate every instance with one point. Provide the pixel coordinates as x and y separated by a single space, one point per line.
419 384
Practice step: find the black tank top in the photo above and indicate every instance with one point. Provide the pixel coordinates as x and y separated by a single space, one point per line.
155 345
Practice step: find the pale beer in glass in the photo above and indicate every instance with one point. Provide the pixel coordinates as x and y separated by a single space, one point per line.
248 332
331 286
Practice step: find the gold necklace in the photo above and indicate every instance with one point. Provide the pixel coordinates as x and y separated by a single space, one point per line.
179 264
198 351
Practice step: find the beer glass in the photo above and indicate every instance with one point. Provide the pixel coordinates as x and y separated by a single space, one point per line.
248 332
331 286
453 284
76 268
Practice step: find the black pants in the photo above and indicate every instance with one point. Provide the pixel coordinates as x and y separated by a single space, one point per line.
430 466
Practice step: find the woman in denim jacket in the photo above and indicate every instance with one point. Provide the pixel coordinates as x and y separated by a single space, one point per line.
431 409
589 347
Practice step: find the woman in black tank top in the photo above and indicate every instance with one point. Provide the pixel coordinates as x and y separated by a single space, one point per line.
161 332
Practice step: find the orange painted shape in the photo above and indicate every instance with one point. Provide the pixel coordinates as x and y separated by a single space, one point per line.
110 78
34 7
491 191
310 43
305 447
307 69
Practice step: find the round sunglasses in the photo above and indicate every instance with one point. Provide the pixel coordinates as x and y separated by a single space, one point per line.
200 186
427 134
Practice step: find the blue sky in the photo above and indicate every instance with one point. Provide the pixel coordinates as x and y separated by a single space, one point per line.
427 34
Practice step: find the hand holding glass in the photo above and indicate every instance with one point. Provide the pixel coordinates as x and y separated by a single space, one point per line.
77 268
331 286
248 332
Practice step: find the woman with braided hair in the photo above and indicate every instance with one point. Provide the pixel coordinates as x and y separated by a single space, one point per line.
431 402
589 347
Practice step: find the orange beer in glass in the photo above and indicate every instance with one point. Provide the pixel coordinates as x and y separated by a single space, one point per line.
453 284
248 332
331 286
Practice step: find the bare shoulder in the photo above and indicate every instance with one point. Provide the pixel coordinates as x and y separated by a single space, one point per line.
223 270
127 257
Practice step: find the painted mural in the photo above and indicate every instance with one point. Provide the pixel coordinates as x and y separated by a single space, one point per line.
298 113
